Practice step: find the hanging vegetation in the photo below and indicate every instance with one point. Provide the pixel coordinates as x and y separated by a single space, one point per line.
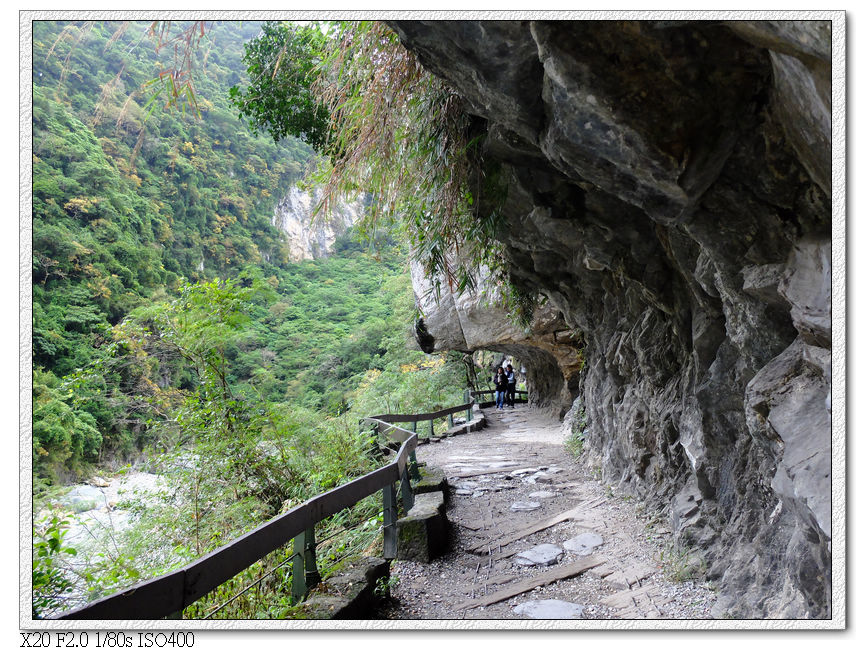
397 131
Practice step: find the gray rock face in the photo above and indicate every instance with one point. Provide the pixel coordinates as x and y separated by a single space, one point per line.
312 236
471 322
667 193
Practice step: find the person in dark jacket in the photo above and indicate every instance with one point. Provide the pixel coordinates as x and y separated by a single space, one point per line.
501 382
512 385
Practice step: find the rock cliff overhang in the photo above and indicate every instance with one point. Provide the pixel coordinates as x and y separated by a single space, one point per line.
667 192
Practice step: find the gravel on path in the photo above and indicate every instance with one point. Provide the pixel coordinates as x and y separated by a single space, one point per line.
637 547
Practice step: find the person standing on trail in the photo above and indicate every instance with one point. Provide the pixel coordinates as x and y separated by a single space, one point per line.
501 382
512 385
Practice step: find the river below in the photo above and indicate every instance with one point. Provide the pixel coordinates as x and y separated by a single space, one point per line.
99 517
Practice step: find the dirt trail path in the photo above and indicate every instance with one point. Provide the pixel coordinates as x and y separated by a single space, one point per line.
513 487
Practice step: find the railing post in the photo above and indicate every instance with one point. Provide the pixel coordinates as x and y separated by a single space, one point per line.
412 466
310 572
405 491
431 428
414 427
467 397
390 516
450 421
304 573
298 576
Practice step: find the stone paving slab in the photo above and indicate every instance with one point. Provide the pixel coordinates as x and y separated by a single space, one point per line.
549 609
540 555
584 544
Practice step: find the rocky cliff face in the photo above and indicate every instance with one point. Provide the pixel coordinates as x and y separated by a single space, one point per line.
548 349
311 237
667 191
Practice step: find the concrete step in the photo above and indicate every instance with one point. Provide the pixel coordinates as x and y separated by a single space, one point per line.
423 533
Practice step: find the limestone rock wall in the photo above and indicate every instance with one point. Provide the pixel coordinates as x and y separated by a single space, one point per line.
667 191
548 349
311 237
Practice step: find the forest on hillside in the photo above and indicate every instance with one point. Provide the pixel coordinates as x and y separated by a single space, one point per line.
170 329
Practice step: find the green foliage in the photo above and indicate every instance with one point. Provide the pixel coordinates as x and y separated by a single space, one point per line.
574 442
60 431
221 430
267 583
384 586
280 64
168 318
124 207
411 383
50 583
175 83
232 459
399 131
682 564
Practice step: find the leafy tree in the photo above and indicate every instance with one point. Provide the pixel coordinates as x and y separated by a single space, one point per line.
220 429
61 433
50 582
281 64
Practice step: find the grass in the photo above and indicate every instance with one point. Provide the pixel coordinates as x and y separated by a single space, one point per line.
384 586
575 442
681 564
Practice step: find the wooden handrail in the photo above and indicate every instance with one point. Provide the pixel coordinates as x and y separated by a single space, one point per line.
421 417
392 431
172 592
